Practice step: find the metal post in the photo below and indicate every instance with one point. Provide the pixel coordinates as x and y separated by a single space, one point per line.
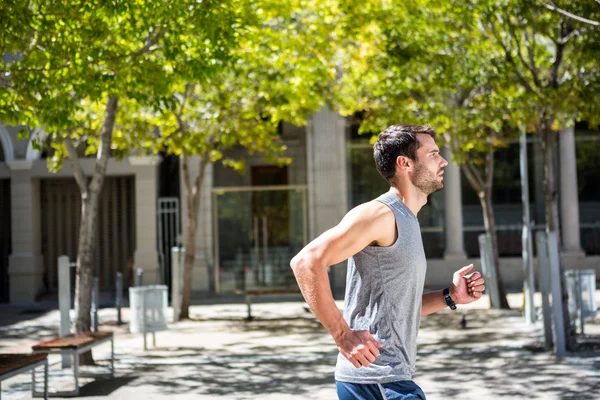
95 304
557 306
112 356
217 259
139 277
579 300
144 322
542 249
119 297
249 306
268 273
259 268
46 379
33 382
528 281
64 302
176 281
489 270
76 370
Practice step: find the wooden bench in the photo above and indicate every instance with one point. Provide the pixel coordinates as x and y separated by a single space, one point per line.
74 345
14 364
261 292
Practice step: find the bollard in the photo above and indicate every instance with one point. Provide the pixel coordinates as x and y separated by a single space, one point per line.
177 255
64 302
119 297
95 304
489 269
557 306
526 239
139 277
545 286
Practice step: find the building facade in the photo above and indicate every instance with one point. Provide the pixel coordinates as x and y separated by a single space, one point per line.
251 224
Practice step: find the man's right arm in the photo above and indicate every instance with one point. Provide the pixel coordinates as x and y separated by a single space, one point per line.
362 226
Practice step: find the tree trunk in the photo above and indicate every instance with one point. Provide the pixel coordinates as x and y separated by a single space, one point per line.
192 195
90 194
552 222
483 188
489 222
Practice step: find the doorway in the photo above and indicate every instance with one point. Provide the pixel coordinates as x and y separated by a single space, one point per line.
258 230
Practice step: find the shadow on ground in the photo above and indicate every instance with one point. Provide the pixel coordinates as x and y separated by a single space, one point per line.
196 371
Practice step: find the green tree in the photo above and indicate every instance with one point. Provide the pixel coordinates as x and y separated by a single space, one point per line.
74 68
516 63
553 58
284 70
428 63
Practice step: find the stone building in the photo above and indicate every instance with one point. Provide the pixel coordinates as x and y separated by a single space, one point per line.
252 224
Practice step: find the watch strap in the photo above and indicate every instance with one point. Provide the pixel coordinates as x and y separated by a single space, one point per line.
448 299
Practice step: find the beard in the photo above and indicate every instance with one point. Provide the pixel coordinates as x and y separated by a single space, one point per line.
425 180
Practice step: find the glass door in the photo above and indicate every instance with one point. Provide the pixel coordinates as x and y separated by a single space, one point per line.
258 230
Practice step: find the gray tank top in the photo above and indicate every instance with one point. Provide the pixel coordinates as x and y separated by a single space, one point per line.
384 289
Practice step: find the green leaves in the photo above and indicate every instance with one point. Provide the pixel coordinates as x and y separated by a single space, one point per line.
476 71
283 69
73 55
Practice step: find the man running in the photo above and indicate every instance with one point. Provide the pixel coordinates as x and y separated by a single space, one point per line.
381 239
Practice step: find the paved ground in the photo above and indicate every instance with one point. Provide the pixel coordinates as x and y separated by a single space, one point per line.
285 354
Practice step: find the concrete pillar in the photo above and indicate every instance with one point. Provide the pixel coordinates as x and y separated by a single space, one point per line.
327 167
453 211
203 259
327 171
146 191
569 200
25 264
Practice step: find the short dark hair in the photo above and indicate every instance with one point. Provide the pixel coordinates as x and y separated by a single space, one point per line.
397 140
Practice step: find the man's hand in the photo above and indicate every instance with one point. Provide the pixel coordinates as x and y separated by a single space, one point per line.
466 289
359 347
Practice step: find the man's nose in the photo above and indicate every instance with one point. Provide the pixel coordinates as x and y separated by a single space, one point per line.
444 162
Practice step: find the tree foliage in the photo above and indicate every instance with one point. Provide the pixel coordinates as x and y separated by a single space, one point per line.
77 69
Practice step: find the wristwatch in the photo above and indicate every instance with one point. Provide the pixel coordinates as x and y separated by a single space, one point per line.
448 299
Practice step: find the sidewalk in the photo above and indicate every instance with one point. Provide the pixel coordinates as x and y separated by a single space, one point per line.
286 354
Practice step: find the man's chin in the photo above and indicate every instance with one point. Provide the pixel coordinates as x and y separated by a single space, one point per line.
438 188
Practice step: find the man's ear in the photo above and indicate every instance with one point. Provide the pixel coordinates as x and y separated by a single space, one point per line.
404 163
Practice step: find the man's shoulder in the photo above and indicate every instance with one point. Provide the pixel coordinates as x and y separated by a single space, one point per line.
373 209
378 220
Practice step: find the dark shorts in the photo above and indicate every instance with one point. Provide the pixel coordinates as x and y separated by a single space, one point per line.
401 390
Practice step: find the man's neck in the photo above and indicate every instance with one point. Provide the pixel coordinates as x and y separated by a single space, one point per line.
411 196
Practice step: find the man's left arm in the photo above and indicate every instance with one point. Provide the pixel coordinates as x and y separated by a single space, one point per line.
465 289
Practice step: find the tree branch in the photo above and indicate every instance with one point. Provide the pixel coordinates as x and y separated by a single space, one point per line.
198 182
189 87
105 143
560 46
149 42
553 7
489 170
530 68
510 59
186 177
77 170
474 177
146 48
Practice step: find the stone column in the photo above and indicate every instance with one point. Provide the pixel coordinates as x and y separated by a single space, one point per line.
203 259
25 264
327 171
146 190
453 211
569 200
327 178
